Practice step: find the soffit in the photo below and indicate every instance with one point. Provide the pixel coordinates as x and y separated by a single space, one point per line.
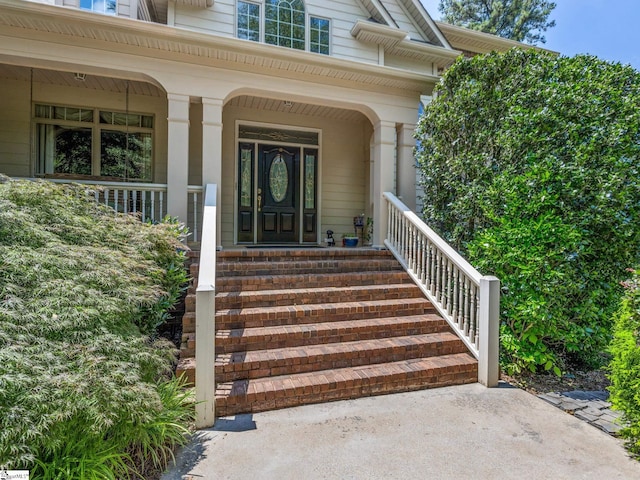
316 111
154 40
90 82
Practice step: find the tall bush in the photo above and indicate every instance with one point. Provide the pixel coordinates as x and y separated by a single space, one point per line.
82 373
530 165
625 365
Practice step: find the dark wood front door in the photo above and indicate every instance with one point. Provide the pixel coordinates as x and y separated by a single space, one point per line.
278 194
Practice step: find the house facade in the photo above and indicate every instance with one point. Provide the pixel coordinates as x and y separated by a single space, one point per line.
302 112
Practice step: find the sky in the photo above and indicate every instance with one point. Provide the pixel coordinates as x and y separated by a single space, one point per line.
609 29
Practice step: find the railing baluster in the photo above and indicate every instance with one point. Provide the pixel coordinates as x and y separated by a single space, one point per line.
450 283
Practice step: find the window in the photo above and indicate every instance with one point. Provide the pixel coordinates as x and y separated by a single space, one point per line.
283 23
100 6
249 21
90 142
319 35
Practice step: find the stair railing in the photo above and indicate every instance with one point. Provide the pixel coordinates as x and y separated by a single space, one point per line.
468 301
205 314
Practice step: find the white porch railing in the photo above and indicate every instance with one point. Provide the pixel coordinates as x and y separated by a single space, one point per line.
468 301
149 200
205 315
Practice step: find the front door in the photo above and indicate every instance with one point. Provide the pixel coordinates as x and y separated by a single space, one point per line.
277 198
278 194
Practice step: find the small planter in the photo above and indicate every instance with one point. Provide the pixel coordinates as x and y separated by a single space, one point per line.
350 242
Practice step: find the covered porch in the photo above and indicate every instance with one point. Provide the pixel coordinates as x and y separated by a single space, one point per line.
289 167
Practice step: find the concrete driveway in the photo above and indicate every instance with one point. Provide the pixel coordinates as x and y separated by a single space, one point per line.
462 432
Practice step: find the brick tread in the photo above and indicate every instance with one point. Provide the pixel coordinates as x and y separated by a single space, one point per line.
268 393
308 358
318 295
256 282
260 338
333 312
302 267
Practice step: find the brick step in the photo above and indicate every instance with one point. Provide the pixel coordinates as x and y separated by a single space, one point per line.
227 269
247 283
261 338
310 296
256 395
305 314
244 255
316 313
309 358
269 282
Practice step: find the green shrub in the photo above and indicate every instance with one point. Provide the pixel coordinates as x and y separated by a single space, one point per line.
530 166
81 370
625 364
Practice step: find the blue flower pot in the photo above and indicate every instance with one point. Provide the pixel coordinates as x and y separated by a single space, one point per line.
350 242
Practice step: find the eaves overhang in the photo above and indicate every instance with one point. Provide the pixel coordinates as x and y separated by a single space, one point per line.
475 41
398 42
72 26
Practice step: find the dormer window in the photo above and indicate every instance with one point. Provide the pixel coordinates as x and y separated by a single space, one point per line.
284 23
100 6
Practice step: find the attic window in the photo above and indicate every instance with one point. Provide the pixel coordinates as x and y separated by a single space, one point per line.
284 23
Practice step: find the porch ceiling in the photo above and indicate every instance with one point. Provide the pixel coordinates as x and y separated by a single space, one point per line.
91 82
274 105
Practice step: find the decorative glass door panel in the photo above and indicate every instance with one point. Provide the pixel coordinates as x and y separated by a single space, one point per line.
278 194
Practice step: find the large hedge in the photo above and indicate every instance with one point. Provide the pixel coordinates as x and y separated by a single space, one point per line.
625 365
85 388
530 166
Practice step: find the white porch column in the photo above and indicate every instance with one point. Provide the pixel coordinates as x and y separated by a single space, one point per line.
212 150
406 174
383 162
178 155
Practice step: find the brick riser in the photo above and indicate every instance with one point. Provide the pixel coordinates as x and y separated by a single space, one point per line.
324 386
304 326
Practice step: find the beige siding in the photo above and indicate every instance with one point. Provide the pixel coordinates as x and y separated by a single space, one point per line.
409 64
220 20
403 19
14 128
344 166
15 120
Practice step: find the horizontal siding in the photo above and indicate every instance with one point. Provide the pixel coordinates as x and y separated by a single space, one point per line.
409 64
14 128
220 20
400 15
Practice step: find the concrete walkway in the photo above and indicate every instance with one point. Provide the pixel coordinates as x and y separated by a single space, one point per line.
449 433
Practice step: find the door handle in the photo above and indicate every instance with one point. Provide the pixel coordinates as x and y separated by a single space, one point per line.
259 200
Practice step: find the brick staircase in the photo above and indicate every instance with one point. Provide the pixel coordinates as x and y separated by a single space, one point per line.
299 326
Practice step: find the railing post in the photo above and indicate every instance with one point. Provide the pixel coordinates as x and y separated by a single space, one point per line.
489 326
205 315
205 356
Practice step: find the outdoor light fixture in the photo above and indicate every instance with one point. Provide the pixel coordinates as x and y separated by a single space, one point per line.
81 77
288 103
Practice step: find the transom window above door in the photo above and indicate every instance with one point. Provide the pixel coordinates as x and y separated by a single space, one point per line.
284 23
